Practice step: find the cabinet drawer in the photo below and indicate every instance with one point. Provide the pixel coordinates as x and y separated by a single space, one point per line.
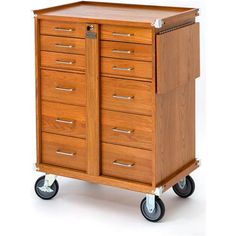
64 151
58 28
63 119
131 51
127 129
126 96
62 44
126 163
62 60
126 34
63 87
126 68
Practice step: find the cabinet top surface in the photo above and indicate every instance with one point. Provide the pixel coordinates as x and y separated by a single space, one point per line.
114 12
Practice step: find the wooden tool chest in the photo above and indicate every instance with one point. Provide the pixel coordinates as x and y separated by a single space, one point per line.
115 92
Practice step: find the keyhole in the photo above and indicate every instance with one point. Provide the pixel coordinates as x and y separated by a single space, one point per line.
90 27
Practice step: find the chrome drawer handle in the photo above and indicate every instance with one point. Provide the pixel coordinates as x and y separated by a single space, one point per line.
65 89
63 45
63 29
59 120
122 34
122 51
124 131
65 62
118 163
123 97
59 152
122 68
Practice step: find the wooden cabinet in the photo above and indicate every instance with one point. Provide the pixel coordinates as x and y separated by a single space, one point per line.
115 94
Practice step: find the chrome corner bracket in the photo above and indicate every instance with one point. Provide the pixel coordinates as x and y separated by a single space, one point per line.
49 180
158 23
150 202
158 191
199 163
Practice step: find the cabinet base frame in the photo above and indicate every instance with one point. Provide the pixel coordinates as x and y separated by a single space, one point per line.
125 184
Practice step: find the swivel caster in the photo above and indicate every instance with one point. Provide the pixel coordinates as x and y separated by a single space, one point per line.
46 187
185 187
152 208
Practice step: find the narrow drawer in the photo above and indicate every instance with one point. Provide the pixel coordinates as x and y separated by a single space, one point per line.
126 34
58 28
62 60
63 119
64 151
126 68
132 51
127 129
63 87
62 44
127 163
126 95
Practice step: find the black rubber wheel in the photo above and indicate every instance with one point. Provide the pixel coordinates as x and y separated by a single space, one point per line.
42 194
187 190
157 214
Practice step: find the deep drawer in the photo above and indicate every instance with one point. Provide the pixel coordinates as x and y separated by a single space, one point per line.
126 129
131 51
62 44
126 163
126 68
62 60
58 28
63 87
126 34
126 95
64 151
63 119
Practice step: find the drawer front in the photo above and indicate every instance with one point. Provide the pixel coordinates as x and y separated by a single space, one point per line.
62 61
62 44
57 28
126 96
126 163
126 34
63 87
130 51
127 129
126 68
63 119
64 151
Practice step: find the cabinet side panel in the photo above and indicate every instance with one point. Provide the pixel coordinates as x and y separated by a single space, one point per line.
177 57
176 130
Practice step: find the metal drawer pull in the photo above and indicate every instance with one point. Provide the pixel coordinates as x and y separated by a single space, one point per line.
59 120
63 45
65 62
122 34
121 68
63 29
65 89
123 97
122 51
124 131
116 162
71 154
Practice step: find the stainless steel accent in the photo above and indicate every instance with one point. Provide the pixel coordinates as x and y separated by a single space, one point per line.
158 191
158 23
122 51
63 29
122 34
48 181
71 154
118 163
122 68
65 89
150 202
123 97
65 62
60 120
125 131
59 45
182 183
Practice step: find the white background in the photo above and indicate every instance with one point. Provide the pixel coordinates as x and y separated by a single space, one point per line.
82 208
